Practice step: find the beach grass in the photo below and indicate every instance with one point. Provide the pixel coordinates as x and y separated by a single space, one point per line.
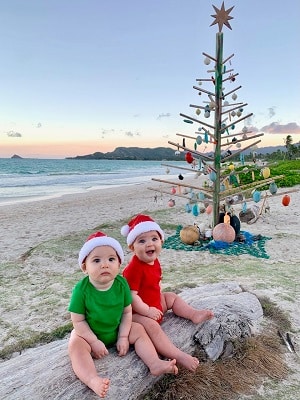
36 287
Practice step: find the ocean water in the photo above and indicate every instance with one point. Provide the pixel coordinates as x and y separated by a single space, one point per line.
23 180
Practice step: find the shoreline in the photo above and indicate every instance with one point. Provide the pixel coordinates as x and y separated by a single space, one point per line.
29 223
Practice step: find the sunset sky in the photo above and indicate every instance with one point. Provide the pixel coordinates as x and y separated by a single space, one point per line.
79 76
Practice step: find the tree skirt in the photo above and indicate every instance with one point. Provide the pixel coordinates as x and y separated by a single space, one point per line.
253 245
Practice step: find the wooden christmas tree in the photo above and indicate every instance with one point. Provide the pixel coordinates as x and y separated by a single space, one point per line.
226 113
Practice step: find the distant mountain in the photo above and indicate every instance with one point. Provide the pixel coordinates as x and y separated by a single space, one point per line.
134 153
158 153
16 156
266 150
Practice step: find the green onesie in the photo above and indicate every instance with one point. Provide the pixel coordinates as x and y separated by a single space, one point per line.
103 310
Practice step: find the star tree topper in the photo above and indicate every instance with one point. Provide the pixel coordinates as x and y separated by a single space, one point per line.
222 17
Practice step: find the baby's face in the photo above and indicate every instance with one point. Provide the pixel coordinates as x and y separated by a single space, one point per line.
102 265
147 246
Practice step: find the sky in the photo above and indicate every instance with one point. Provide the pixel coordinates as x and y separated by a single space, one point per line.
80 76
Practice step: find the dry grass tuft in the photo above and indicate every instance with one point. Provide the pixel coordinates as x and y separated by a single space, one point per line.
275 313
257 358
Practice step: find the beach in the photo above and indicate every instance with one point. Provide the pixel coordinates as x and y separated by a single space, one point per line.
40 240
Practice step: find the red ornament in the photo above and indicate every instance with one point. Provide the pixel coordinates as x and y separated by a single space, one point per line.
189 158
286 200
171 203
209 209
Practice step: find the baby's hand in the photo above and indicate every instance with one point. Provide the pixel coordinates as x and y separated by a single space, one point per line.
122 345
98 349
154 313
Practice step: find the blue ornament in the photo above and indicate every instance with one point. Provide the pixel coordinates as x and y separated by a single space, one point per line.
205 137
199 139
256 196
195 210
244 208
273 188
188 208
201 196
212 176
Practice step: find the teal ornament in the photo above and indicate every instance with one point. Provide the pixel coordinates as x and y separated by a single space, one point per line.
200 164
188 121
199 139
233 180
244 208
273 188
207 114
212 176
195 146
195 210
205 137
232 126
222 187
201 196
188 208
242 159
256 196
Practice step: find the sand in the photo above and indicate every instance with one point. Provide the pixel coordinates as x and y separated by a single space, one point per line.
36 287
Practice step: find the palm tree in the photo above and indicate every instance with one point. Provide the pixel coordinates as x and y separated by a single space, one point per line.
288 141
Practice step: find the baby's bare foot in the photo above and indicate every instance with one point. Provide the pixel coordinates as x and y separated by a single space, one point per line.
164 367
201 316
187 361
99 385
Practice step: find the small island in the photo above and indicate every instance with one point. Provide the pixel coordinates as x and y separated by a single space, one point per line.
16 156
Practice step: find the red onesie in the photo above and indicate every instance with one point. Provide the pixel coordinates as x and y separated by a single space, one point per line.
145 279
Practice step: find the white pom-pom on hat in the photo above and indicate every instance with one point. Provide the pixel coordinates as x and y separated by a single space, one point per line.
125 230
138 225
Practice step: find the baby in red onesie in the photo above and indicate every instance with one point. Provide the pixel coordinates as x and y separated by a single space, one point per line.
143 273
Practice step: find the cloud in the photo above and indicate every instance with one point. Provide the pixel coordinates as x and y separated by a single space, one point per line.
271 111
105 132
252 128
276 128
166 115
13 134
38 125
131 134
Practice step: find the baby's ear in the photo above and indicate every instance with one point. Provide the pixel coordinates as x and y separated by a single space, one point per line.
83 267
130 247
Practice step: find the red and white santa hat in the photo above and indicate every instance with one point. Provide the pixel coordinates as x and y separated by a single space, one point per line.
99 239
138 225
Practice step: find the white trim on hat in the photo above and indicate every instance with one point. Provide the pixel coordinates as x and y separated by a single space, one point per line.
143 227
100 241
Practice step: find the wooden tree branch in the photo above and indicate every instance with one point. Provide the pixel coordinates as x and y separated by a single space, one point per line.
45 372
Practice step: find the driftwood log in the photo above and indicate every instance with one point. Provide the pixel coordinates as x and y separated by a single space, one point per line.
45 372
